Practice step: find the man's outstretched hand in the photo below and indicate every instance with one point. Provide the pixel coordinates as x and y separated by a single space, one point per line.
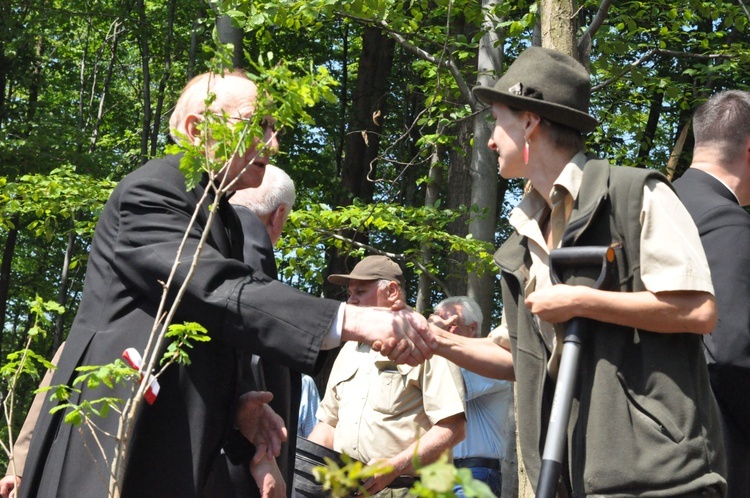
260 424
403 335
445 324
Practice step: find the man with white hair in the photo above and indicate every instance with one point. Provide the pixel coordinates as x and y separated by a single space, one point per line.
487 403
271 202
262 212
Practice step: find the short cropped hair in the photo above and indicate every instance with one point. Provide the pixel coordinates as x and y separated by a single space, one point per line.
564 137
275 190
723 121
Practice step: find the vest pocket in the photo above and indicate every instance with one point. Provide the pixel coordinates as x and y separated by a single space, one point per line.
649 412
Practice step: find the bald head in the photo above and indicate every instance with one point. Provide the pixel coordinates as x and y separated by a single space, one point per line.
236 95
225 86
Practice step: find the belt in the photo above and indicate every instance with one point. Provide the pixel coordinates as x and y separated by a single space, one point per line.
488 463
706 492
402 482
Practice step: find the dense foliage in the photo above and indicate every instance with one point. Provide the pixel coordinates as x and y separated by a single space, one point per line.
86 89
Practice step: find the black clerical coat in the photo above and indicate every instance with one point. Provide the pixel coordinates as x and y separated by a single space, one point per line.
177 439
234 481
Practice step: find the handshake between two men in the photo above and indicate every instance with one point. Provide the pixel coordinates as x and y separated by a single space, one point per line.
401 334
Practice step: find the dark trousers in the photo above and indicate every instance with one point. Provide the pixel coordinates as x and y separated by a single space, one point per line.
491 477
737 448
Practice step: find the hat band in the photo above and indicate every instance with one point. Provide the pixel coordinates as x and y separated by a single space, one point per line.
526 91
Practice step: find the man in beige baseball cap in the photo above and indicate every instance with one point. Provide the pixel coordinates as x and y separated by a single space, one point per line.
376 411
370 269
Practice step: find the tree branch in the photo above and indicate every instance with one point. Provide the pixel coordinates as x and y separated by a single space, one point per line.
596 23
400 38
446 63
658 51
742 4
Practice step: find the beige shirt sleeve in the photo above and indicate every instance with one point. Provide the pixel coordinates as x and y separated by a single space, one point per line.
23 440
442 389
672 256
500 335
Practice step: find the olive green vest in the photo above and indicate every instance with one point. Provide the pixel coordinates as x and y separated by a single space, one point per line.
644 420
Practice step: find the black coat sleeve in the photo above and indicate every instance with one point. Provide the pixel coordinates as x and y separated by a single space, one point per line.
238 306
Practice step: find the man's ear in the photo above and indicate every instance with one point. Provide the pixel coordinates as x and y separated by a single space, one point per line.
279 217
394 291
276 222
191 128
474 329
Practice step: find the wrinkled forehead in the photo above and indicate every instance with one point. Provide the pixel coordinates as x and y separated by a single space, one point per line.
449 310
362 285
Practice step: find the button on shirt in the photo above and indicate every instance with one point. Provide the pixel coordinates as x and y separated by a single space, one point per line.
379 408
672 257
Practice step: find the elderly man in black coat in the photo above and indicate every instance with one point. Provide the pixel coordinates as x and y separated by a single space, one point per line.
263 212
144 223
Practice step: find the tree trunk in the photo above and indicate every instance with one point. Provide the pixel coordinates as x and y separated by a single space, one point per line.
674 157
457 195
4 67
193 51
484 192
558 24
341 140
368 110
649 131
231 34
165 77
366 115
36 84
82 85
115 36
484 175
5 270
143 39
62 295
434 184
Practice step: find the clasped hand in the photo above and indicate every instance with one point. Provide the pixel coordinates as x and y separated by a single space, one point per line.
411 341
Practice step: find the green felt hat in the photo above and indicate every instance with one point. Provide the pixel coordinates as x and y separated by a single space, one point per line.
548 83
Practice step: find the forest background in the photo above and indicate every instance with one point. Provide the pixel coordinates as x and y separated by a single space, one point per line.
397 164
